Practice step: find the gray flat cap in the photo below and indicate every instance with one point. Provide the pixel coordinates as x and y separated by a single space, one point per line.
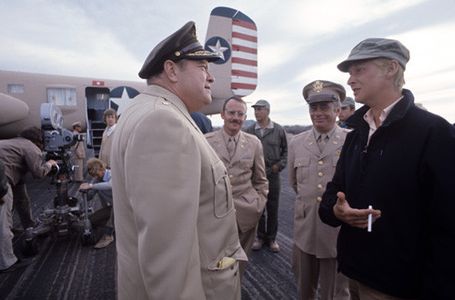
376 48
261 103
323 91
348 101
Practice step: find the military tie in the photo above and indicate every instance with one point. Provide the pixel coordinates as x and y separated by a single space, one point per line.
231 147
322 141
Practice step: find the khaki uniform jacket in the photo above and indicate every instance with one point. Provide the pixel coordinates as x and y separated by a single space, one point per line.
106 146
309 172
246 172
174 215
19 156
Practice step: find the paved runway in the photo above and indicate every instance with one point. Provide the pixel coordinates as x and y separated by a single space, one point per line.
64 269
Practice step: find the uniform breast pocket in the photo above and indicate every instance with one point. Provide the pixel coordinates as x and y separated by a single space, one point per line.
222 198
302 167
246 163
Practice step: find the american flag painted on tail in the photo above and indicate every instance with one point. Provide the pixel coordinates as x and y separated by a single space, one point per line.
233 35
244 57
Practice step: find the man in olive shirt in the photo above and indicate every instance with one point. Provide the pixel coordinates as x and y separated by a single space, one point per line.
274 144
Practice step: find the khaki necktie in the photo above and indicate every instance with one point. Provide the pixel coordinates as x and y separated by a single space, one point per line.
231 147
322 141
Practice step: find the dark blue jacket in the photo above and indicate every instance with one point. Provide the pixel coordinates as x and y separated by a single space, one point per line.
408 172
3 182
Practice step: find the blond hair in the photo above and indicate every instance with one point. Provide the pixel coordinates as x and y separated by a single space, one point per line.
398 80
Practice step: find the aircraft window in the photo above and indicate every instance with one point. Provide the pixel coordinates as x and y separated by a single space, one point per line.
16 88
62 96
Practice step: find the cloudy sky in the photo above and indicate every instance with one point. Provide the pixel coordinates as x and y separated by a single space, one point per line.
299 41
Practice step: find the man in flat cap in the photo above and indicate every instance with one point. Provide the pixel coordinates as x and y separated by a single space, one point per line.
347 109
397 167
275 146
78 153
311 161
176 232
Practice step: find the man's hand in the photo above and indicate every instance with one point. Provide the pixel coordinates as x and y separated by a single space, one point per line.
52 163
276 168
354 217
85 186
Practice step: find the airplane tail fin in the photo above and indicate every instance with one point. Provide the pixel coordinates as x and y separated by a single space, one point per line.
233 35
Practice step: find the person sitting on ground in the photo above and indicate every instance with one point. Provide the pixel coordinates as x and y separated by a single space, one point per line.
102 186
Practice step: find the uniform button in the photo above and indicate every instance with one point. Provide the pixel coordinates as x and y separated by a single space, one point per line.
230 176
319 199
320 174
319 186
320 162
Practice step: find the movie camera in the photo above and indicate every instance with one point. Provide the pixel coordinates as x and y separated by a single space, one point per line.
68 214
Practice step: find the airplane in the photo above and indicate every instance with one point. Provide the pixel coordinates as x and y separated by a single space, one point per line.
230 33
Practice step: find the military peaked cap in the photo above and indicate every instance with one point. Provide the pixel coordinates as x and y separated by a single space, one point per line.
182 44
323 91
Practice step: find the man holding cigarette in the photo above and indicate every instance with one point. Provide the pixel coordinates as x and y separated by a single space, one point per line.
398 159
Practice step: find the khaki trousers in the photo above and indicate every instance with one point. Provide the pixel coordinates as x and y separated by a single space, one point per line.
7 257
311 271
246 241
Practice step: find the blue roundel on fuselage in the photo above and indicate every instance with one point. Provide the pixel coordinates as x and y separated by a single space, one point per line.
221 46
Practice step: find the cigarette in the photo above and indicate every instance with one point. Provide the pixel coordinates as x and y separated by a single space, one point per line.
370 219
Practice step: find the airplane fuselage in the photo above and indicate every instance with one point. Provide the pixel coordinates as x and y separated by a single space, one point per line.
22 93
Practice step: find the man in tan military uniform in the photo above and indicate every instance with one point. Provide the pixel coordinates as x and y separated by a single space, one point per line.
243 157
176 232
312 159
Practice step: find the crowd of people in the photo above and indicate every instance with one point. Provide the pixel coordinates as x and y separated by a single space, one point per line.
373 189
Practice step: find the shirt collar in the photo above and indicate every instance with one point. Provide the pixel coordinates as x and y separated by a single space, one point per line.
107 175
226 136
269 125
328 134
368 116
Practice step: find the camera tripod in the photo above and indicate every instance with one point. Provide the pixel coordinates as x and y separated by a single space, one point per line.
68 215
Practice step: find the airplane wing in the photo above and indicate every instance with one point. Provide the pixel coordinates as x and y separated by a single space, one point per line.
233 35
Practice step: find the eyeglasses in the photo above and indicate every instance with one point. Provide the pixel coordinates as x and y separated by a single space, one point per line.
233 113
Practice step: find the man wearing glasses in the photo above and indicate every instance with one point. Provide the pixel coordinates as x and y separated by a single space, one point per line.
242 155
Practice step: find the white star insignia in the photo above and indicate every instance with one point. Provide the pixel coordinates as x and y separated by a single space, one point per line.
218 49
121 102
